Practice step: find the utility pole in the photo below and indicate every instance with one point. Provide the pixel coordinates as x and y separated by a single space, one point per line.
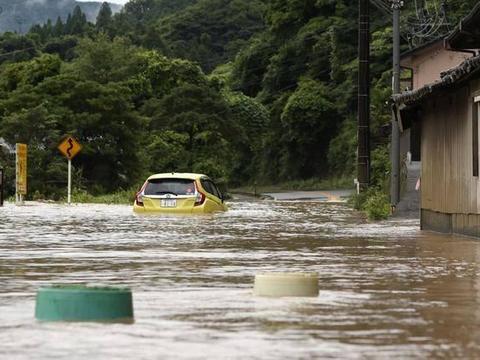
395 146
363 155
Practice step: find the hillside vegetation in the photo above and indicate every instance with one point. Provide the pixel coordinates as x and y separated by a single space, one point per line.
246 91
20 15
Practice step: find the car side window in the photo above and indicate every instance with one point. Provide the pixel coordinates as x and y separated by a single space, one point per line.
210 187
217 191
206 186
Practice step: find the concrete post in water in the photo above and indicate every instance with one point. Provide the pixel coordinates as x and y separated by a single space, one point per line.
286 284
84 303
363 154
395 145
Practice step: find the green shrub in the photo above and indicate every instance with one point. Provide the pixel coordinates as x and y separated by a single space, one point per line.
380 169
373 202
119 197
357 201
377 206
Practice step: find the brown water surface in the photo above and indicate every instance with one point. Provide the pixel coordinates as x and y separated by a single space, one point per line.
387 290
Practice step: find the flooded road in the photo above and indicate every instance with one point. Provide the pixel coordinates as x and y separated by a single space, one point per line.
386 290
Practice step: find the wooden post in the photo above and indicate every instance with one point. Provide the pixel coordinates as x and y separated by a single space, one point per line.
395 145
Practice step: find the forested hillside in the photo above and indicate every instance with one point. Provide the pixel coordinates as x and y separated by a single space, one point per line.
245 91
20 15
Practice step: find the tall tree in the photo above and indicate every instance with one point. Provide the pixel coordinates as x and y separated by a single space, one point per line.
104 17
78 21
58 29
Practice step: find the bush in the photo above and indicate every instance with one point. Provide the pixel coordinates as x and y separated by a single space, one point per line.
373 202
357 201
119 197
380 169
377 206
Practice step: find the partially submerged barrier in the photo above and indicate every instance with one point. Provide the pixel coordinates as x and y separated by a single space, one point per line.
286 284
84 303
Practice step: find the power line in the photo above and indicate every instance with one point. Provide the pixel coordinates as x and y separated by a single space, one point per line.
17 51
430 22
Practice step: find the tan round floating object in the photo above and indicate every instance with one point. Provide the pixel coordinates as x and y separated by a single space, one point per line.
286 284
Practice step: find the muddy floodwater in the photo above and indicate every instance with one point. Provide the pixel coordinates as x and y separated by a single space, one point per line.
387 290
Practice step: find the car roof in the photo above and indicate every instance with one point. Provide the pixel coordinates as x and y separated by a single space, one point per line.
174 175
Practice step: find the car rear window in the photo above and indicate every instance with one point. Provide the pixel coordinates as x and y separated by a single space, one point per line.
170 186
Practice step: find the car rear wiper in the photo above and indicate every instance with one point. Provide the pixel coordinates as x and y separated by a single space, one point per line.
165 192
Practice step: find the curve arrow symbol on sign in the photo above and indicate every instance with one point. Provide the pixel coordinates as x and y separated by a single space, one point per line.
69 147
70 142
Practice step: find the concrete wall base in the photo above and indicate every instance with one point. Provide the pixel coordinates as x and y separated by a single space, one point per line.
463 224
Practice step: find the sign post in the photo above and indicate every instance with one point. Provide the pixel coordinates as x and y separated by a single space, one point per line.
69 147
20 173
69 191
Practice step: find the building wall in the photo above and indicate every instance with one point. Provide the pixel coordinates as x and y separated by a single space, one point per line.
448 185
428 63
462 224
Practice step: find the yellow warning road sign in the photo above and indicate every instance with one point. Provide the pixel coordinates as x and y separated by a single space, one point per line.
21 169
69 147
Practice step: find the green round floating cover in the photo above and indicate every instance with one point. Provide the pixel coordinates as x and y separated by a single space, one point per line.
83 303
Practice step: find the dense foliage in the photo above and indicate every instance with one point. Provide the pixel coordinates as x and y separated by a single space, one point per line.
246 91
20 15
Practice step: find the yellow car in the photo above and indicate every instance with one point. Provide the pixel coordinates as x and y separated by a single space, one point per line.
179 193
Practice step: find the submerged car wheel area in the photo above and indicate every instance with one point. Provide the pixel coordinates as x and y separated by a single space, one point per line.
179 193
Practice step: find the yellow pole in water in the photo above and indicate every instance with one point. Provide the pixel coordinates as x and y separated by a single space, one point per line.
20 172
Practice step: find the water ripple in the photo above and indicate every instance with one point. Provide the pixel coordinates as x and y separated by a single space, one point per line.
387 289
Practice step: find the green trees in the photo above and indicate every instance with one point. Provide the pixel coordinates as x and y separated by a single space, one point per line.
45 102
107 125
75 24
278 102
134 111
187 116
308 119
15 47
250 120
211 31
106 61
104 17
138 21
201 117
302 67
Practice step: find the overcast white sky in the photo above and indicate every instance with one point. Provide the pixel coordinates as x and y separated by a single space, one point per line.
111 1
